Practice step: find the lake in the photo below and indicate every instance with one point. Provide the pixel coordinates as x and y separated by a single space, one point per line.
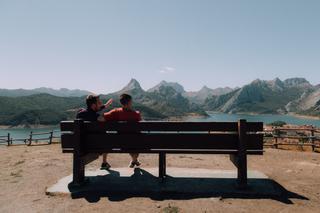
24 133
266 119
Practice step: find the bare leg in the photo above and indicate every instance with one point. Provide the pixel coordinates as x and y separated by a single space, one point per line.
105 165
104 158
134 156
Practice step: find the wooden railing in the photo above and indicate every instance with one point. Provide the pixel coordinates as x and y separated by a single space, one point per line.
5 139
33 137
309 136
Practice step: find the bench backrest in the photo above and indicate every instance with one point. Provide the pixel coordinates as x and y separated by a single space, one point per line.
166 136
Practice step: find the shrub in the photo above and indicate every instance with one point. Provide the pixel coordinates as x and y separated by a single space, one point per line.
278 123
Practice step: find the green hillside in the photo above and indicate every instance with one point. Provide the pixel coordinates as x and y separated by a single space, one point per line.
37 109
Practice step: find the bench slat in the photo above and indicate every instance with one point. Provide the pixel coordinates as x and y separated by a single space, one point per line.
170 141
162 141
162 126
173 151
67 141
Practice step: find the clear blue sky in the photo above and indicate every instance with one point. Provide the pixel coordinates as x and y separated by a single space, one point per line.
101 45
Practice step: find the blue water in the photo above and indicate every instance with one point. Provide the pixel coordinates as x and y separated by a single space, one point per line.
24 133
261 118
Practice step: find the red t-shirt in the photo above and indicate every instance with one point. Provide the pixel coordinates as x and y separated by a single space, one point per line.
121 114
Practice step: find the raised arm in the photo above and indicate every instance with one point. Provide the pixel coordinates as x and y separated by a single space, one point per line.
106 105
107 116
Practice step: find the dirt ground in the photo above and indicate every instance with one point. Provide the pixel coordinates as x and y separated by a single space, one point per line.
26 171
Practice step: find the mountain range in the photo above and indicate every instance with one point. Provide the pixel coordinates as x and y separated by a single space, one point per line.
294 95
165 100
63 92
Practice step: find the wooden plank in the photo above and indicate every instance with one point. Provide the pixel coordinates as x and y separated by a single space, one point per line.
254 141
170 141
169 126
254 126
67 126
294 137
41 133
67 141
294 144
241 158
171 151
161 126
65 150
78 154
162 141
153 140
294 129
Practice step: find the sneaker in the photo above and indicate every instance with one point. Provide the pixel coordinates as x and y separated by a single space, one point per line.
134 163
137 163
105 166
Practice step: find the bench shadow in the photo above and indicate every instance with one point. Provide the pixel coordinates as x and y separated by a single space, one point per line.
144 184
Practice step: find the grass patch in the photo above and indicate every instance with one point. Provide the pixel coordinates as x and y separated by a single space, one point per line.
16 174
19 162
170 209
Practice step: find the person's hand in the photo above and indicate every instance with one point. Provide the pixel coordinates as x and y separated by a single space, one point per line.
109 102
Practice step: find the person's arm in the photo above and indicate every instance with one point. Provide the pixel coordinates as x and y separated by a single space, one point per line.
139 116
107 116
109 102
106 105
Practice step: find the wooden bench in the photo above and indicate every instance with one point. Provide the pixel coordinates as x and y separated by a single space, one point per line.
86 140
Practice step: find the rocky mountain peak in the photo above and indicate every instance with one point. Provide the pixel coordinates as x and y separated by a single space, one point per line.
205 89
132 85
295 82
176 86
276 84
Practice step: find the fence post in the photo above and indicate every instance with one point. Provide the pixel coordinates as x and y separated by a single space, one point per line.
312 139
50 138
275 135
30 139
8 139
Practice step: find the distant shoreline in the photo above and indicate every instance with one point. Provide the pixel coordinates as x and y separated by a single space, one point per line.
185 117
311 117
172 118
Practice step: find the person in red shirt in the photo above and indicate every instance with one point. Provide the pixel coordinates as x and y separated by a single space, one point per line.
124 113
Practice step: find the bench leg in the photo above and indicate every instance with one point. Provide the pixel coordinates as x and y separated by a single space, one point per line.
162 165
241 163
242 171
78 170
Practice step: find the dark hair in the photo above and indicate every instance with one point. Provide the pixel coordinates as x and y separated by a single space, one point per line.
91 99
125 99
